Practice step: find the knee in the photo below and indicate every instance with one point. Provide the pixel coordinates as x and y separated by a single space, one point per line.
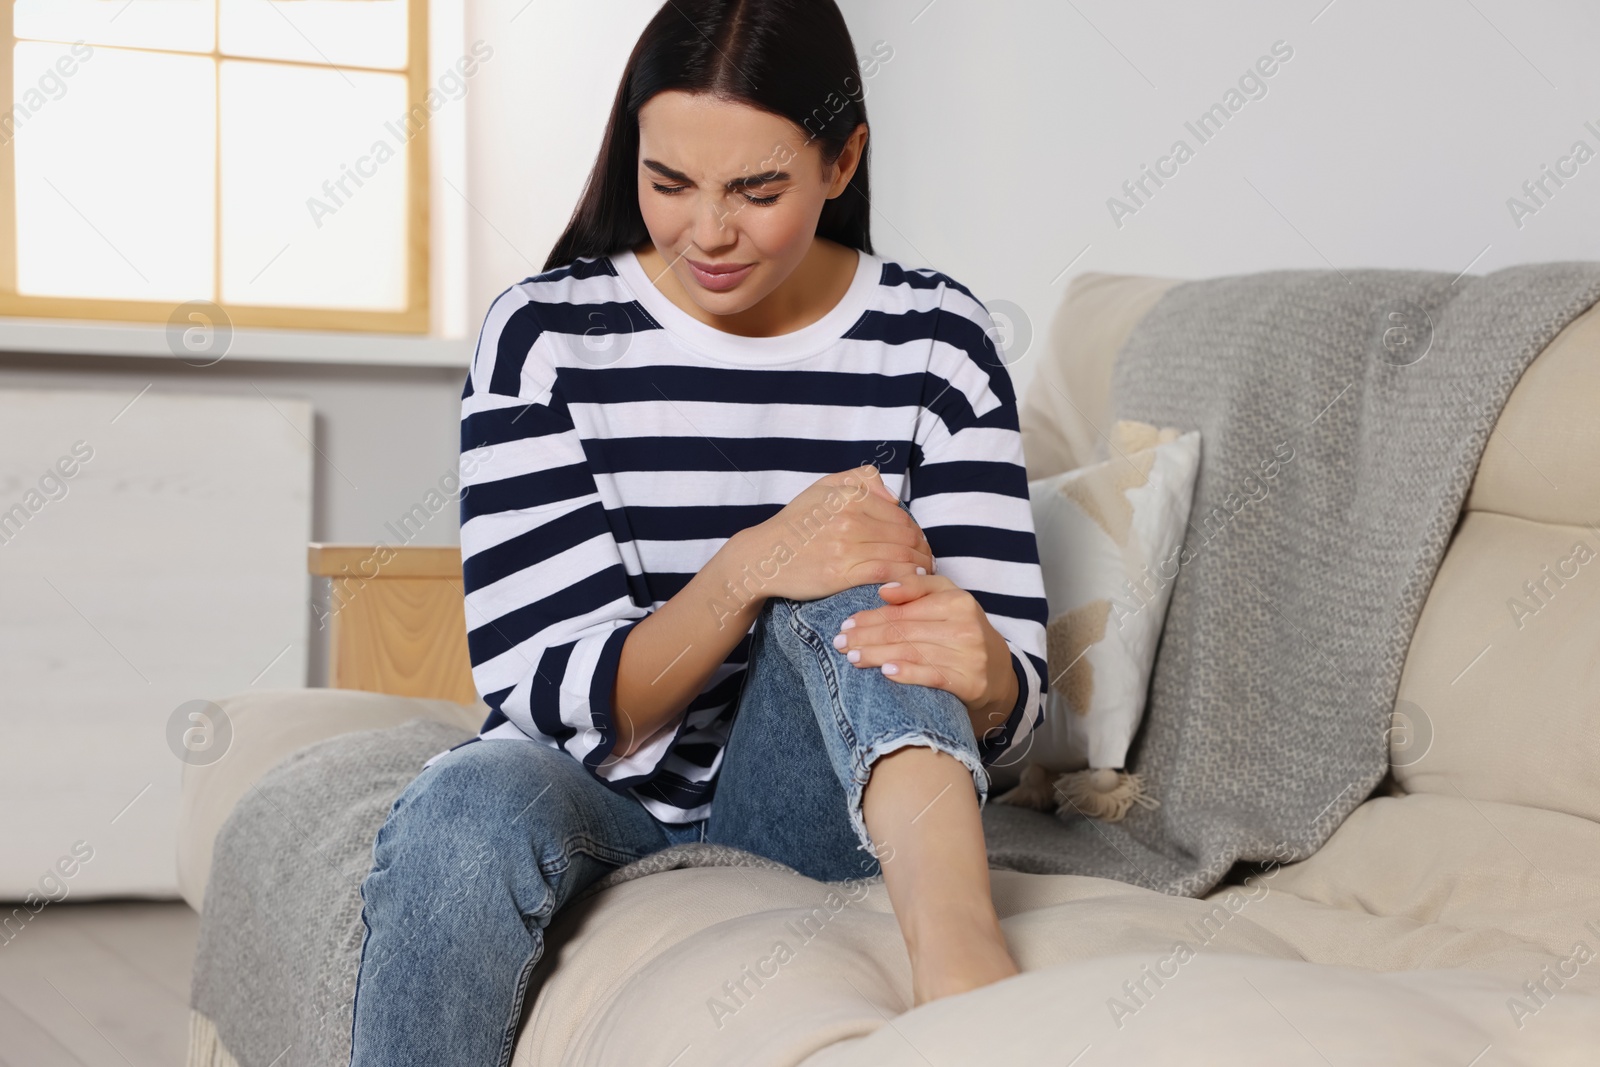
824 614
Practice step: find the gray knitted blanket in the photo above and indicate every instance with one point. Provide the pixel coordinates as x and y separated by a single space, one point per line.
1273 685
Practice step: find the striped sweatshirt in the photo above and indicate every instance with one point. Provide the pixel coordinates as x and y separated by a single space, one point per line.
611 443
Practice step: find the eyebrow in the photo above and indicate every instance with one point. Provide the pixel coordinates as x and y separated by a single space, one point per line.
748 182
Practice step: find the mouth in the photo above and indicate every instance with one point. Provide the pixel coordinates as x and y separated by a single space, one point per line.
719 276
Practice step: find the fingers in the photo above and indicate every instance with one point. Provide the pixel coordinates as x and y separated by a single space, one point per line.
900 547
882 521
918 637
870 476
884 511
865 480
878 567
915 597
873 497
872 645
868 495
920 662
918 608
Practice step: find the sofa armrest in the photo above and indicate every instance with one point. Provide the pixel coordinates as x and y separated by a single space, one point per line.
265 727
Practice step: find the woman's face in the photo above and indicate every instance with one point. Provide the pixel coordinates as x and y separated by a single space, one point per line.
725 185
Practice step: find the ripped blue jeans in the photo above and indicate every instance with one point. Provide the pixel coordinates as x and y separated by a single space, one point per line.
483 847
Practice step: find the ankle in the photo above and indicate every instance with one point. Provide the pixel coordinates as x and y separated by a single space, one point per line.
958 962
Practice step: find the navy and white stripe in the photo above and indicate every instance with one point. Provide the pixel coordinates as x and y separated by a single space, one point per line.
596 485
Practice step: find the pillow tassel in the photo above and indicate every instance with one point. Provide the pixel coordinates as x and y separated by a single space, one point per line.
1099 794
1102 794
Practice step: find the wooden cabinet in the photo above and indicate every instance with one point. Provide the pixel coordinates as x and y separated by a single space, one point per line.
396 620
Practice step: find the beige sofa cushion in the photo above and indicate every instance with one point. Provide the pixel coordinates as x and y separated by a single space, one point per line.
1511 696
686 967
1432 881
1542 462
1513 713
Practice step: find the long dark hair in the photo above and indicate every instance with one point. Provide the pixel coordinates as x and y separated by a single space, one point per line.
793 58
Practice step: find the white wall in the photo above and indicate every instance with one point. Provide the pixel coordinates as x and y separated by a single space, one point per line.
535 119
1393 137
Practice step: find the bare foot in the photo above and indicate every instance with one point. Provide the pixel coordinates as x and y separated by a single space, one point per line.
955 954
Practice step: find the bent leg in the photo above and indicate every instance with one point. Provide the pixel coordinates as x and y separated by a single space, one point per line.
862 713
476 856
809 729
899 756
778 792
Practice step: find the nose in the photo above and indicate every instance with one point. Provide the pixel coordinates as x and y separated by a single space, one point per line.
713 225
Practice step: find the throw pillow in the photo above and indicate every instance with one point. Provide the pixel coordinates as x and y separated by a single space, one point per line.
1110 537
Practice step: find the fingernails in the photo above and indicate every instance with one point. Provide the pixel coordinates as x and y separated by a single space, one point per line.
921 570
854 655
891 668
848 624
839 641
889 585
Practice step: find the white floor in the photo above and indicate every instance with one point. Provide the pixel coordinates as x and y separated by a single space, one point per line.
85 985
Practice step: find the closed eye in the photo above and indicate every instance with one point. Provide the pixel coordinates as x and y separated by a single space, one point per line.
759 201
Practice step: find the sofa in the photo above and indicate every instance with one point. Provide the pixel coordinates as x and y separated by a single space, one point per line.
1453 918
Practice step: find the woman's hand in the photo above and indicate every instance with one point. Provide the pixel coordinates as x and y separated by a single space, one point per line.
844 530
934 633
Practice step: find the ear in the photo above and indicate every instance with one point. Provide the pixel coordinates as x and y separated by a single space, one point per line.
849 159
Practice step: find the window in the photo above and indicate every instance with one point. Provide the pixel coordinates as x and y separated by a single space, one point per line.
269 156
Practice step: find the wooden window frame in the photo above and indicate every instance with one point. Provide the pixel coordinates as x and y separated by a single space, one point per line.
415 318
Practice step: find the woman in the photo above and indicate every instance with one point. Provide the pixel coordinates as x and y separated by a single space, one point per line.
747 550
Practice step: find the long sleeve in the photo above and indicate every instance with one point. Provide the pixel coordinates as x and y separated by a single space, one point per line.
548 603
969 492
